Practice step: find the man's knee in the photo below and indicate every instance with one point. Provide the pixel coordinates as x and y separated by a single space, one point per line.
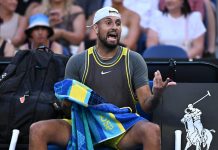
154 127
48 130
37 129
151 129
146 132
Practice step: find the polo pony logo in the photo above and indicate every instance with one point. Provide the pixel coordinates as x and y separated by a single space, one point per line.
196 134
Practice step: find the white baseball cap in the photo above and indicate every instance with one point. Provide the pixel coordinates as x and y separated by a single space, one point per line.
105 12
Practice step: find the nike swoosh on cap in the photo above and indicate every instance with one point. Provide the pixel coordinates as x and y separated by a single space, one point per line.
102 72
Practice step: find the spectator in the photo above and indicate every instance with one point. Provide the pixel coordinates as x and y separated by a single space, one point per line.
38 33
206 8
12 22
178 26
114 66
68 21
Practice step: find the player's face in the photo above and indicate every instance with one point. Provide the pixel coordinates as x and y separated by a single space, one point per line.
108 31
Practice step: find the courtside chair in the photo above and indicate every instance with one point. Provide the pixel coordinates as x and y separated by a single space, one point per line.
164 51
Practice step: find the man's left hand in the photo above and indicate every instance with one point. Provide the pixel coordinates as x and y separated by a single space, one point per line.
159 85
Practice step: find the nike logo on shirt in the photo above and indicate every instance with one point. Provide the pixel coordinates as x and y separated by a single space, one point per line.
102 72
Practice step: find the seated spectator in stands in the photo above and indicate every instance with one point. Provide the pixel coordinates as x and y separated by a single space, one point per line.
206 8
68 21
130 25
38 33
12 22
178 26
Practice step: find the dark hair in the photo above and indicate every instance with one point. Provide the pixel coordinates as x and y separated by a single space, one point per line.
186 9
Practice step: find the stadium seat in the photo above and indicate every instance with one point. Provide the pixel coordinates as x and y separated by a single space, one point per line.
164 51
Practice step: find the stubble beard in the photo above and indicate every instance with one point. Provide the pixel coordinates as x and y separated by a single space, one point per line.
110 47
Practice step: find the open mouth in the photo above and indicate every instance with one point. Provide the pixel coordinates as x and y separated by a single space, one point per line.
112 36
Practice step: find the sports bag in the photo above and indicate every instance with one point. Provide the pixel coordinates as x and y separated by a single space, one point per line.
27 91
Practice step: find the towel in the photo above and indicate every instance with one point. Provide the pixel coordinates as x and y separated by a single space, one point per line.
93 120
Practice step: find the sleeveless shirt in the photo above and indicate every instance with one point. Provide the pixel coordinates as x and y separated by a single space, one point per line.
111 81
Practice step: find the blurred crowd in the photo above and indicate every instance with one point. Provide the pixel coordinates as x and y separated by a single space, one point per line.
62 25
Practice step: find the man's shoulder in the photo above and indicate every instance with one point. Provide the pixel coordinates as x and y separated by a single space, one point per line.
136 59
134 55
78 57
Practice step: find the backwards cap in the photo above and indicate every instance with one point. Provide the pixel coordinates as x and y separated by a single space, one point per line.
105 12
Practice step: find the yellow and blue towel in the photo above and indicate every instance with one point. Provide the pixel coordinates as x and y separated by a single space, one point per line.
93 120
